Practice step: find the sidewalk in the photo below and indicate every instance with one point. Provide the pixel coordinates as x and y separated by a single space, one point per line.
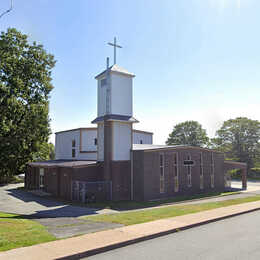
82 246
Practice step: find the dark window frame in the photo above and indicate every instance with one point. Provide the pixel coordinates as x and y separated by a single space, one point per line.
73 153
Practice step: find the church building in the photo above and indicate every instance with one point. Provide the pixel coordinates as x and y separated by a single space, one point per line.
113 161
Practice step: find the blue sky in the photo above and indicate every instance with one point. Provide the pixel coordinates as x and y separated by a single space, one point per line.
193 59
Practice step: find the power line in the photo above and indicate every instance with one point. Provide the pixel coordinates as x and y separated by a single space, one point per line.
7 11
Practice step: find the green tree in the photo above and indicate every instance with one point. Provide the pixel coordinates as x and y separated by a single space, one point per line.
45 152
239 138
25 85
188 133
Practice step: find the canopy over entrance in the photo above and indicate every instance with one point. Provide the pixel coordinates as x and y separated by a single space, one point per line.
230 165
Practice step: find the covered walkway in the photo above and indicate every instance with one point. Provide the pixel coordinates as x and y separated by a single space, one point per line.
231 165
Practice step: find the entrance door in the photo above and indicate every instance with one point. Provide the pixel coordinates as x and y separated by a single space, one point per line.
41 178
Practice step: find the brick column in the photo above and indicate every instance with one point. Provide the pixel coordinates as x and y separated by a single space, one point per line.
107 149
244 179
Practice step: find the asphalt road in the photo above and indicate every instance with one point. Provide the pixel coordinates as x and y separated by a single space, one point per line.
233 238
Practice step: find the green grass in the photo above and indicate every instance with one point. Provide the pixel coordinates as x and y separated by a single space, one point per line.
129 205
16 231
142 216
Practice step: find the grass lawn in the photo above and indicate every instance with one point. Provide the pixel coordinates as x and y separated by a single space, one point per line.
16 231
129 205
142 216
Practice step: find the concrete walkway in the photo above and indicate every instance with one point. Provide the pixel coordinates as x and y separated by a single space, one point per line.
78 247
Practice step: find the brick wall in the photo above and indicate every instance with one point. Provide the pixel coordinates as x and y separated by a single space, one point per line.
148 186
121 180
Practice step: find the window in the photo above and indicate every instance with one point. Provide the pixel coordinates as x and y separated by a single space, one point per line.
162 188
141 141
212 173
103 82
41 178
176 173
201 171
189 183
73 151
95 141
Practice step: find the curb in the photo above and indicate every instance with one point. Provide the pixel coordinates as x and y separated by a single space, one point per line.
148 237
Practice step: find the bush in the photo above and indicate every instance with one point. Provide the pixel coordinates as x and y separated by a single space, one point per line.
235 173
10 180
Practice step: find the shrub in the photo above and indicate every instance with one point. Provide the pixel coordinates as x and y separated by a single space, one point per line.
235 174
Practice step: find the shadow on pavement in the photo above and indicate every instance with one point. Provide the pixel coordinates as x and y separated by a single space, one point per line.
54 209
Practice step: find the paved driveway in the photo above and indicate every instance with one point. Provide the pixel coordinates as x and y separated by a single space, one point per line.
251 185
19 201
60 219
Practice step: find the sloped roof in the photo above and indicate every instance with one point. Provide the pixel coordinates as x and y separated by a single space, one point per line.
117 69
62 163
143 147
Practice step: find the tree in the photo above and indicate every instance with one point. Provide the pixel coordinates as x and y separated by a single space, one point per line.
45 152
25 85
239 138
188 133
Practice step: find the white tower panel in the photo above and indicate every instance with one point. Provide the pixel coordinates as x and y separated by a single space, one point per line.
121 95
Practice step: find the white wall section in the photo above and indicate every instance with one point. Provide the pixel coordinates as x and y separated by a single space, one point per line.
88 140
121 95
146 138
63 142
121 141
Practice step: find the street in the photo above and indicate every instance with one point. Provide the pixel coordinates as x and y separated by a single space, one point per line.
233 238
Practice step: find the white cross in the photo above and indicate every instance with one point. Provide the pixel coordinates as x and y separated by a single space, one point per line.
115 46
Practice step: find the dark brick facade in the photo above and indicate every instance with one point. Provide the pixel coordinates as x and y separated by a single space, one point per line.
146 172
121 180
144 177
57 180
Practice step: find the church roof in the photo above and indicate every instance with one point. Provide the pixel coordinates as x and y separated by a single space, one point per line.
62 163
117 69
144 147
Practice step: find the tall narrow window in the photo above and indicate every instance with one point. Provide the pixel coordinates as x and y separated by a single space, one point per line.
41 178
95 141
73 151
189 172
162 186
141 141
212 172
176 172
201 172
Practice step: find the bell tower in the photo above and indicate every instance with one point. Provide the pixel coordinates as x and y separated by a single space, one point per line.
114 116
